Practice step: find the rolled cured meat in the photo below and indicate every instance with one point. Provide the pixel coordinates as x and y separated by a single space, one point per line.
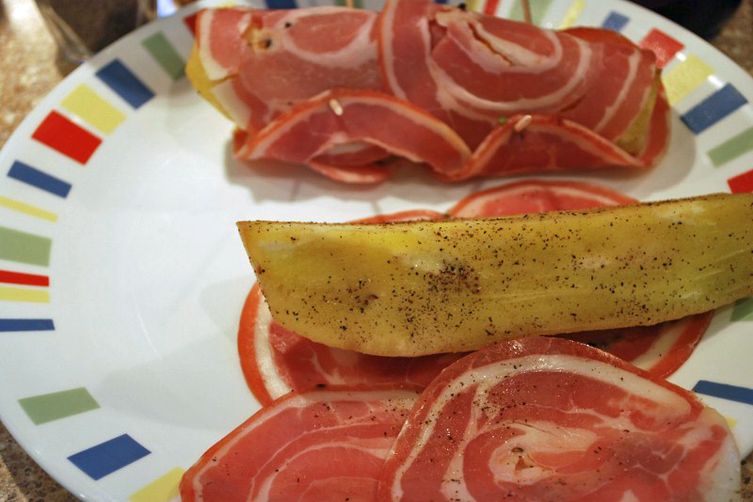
319 445
513 97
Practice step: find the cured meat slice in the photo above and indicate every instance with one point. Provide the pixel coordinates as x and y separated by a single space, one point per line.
405 33
469 69
622 87
536 196
219 38
320 445
543 143
275 361
368 174
352 154
548 419
274 59
659 349
505 67
354 163
592 96
344 116
305 52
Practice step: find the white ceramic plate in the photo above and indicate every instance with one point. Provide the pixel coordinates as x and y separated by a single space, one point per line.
122 277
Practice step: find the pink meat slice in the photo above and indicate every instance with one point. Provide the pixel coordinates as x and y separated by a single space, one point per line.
469 69
313 446
543 143
406 33
620 83
220 39
301 53
270 60
274 59
502 67
548 419
582 88
345 116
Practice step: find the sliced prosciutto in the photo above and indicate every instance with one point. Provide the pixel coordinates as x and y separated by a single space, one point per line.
260 63
536 196
276 361
270 60
546 419
345 116
582 98
546 143
659 349
536 143
314 446
405 31
458 63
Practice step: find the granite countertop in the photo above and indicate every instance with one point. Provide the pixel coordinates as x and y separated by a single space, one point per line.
30 68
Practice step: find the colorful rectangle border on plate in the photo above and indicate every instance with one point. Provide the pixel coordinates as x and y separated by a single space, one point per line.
724 391
105 458
45 408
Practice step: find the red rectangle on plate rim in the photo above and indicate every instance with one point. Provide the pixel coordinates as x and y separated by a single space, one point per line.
742 182
67 137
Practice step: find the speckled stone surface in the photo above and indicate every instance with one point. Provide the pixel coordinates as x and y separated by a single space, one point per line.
29 68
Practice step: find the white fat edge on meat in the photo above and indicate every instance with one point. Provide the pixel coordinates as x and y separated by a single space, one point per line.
489 375
483 153
480 161
523 59
588 146
238 110
346 174
380 452
661 345
273 381
721 481
334 378
539 436
261 148
449 102
491 62
443 100
266 486
453 485
343 358
358 52
475 206
633 64
399 398
549 102
428 122
385 41
212 68
347 148
629 496
514 57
